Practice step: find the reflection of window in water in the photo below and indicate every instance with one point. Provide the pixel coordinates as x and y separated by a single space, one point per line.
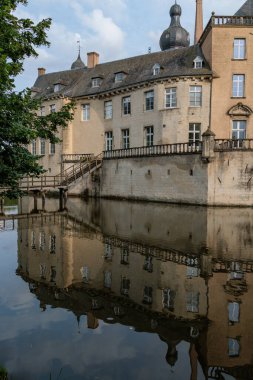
85 274
192 302
192 272
234 312
235 266
236 275
125 286
33 240
147 296
108 252
42 240
236 272
108 279
148 264
168 299
233 347
43 269
52 244
125 255
53 274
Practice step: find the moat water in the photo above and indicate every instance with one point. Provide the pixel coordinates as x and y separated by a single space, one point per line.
110 290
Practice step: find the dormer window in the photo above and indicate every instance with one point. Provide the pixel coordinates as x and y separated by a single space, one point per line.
96 82
198 63
119 77
156 69
57 87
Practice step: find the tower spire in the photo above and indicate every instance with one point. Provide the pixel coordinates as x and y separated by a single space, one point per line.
199 21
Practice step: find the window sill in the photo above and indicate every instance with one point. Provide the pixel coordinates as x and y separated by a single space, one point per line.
195 106
169 109
125 115
108 119
238 59
149 110
238 97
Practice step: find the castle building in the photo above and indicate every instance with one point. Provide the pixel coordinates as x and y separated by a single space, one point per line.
179 96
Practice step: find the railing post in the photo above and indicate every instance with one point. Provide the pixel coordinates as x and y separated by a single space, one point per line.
208 144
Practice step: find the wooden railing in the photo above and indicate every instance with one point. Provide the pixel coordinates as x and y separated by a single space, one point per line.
155 150
64 179
228 145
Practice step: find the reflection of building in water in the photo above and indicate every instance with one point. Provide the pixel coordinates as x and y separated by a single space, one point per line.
150 266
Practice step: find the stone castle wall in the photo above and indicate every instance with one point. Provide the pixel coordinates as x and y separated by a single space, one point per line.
224 181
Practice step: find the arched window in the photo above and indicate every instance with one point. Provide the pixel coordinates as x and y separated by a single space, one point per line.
198 63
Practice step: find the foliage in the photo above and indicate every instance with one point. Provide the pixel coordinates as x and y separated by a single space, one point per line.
19 122
3 374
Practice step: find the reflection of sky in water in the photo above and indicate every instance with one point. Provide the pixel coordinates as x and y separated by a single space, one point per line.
35 343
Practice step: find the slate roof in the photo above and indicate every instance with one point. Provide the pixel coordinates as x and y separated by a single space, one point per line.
246 9
174 63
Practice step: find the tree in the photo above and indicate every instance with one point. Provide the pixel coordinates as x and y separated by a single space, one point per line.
19 122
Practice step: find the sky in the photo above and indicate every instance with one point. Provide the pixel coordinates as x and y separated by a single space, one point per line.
115 29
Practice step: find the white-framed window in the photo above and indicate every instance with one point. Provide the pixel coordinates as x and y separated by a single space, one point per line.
239 132
125 286
108 109
85 273
234 312
125 139
52 108
239 48
108 140
147 295
53 273
149 100
42 147
194 133
192 302
124 256
108 252
57 87
51 148
42 240
96 82
33 240
148 264
238 85
195 96
171 97
168 298
43 271
34 147
86 112
156 69
233 347
198 63
126 105
149 136
42 111
108 279
119 77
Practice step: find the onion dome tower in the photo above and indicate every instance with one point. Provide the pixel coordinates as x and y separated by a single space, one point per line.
78 64
175 36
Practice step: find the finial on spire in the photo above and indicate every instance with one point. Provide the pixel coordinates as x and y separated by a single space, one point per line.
79 47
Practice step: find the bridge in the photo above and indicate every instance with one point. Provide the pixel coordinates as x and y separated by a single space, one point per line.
83 165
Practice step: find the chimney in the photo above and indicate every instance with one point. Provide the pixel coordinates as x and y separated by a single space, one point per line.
92 60
199 21
41 71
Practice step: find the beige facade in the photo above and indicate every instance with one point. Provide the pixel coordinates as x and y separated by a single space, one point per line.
228 47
